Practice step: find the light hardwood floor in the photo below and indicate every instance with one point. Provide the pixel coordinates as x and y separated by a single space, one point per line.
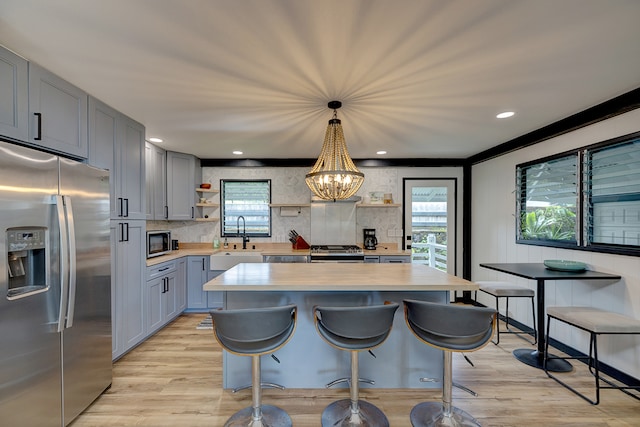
174 379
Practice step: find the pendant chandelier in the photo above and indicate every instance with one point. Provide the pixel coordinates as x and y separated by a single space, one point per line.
334 176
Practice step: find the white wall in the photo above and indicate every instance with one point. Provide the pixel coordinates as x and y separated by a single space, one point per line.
288 186
493 240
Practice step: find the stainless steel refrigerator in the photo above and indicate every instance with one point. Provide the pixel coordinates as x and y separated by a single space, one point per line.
55 287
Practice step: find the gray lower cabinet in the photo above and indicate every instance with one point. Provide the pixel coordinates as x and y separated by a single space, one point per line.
57 113
181 286
14 96
127 285
165 294
387 259
198 274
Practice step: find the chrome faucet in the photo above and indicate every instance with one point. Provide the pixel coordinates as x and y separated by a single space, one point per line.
245 239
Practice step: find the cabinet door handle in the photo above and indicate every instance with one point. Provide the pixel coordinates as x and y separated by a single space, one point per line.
39 117
164 269
119 206
120 232
202 264
126 211
193 213
166 211
126 226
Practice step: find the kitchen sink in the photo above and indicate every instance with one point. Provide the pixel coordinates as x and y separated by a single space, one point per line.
226 259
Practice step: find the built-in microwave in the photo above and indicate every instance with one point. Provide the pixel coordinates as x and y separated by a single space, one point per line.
158 243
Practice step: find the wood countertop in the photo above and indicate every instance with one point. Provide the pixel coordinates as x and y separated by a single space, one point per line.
336 277
205 249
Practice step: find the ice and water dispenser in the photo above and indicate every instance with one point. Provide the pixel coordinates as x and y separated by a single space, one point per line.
26 260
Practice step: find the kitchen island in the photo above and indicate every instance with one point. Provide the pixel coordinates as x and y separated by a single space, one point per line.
307 361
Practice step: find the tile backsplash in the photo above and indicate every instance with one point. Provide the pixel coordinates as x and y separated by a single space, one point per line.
288 186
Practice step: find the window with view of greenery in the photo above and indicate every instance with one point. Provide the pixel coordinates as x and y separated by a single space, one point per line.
245 206
548 200
587 199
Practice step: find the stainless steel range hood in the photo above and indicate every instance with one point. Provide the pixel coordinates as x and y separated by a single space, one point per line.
333 223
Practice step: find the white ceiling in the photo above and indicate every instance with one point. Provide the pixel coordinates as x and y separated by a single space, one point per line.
417 78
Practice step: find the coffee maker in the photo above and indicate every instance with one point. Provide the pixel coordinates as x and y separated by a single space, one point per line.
370 240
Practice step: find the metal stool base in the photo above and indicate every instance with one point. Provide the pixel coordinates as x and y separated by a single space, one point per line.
272 416
338 414
432 414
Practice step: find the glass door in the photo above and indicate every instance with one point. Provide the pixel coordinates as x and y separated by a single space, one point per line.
430 222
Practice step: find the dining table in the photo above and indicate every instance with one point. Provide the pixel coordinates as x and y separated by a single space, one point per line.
541 274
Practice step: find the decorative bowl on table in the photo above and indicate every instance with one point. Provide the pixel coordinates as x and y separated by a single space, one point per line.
564 265
205 186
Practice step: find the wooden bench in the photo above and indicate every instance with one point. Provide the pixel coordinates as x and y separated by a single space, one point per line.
595 322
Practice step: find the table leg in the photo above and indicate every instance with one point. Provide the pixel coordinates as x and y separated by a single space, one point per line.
535 358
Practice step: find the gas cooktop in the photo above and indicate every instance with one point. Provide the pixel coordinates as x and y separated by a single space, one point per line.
336 253
336 249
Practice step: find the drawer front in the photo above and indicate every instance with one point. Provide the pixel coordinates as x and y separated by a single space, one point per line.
395 259
161 269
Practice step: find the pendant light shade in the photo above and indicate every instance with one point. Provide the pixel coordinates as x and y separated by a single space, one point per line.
334 176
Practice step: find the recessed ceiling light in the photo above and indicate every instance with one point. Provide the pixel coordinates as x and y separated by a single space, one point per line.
381 152
505 114
155 139
237 153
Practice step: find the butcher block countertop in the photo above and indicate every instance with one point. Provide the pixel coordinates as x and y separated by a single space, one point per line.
336 277
205 249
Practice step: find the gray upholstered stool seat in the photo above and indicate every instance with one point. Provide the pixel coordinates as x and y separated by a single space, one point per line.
354 329
449 327
255 332
596 322
508 290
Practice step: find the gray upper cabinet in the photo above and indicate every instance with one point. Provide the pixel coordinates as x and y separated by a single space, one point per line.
102 142
183 170
14 96
116 142
57 113
130 162
156 182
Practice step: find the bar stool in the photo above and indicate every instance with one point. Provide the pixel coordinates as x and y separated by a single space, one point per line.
449 327
509 290
255 332
354 329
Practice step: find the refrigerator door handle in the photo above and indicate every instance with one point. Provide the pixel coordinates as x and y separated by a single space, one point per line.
71 303
64 252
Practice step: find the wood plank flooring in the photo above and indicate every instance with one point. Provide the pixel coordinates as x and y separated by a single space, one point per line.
174 379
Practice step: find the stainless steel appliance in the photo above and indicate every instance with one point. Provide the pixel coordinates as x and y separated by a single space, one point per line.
370 240
55 287
336 253
158 243
333 223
